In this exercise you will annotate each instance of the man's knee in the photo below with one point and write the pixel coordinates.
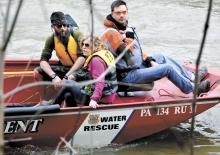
(37, 75)
(167, 68)
(160, 58)
(70, 100)
(71, 86)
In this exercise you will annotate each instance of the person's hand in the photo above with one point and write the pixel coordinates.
(130, 43)
(93, 104)
(122, 32)
(71, 77)
(57, 82)
(64, 78)
(153, 64)
(145, 55)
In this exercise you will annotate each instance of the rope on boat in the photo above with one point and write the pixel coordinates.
(169, 94)
(216, 82)
(196, 76)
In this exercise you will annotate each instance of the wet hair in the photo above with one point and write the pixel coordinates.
(97, 43)
(117, 3)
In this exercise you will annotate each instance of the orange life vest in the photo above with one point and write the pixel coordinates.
(67, 59)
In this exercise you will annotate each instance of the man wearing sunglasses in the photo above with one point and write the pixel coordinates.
(66, 47)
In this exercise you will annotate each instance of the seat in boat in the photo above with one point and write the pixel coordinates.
(124, 88)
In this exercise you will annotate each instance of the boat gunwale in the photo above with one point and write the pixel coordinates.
(116, 107)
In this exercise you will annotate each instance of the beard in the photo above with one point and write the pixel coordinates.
(123, 21)
(63, 38)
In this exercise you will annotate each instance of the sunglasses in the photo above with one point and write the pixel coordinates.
(60, 26)
(86, 44)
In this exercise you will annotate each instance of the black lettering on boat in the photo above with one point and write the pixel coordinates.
(123, 118)
(22, 126)
(98, 127)
(113, 118)
(86, 128)
(93, 128)
(102, 127)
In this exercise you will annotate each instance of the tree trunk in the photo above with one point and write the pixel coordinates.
(1, 102)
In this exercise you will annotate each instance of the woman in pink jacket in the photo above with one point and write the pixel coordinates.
(99, 69)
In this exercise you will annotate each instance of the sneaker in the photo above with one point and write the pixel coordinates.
(204, 87)
(203, 71)
(45, 102)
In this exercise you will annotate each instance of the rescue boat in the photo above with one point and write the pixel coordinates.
(133, 115)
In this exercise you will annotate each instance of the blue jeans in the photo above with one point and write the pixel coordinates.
(72, 94)
(167, 68)
(161, 59)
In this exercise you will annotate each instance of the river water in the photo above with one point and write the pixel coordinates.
(172, 27)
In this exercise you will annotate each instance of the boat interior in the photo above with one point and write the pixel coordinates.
(20, 87)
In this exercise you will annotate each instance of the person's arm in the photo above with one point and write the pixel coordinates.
(116, 40)
(47, 69)
(46, 55)
(77, 65)
(45, 66)
(44, 61)
(96, 67)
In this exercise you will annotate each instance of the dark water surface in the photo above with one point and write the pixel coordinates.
(173, 27)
